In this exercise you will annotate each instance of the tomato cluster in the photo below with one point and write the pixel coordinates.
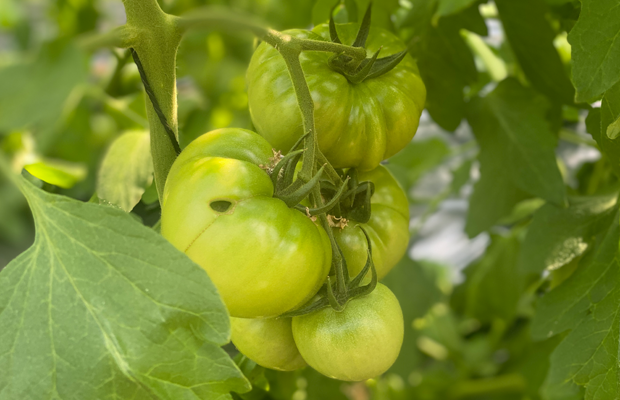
(266, 257)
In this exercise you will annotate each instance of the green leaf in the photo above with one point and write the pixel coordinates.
(416, 158)
(126, 171)
(531, 38)
(429, 282)
(596, 48)
(516, 154)
(445, 61)
(103, 307)
(559, 235)
(449, 7)
(493, 284)
(599, 122)
(588, 304)
(34, 94)
(57, 172)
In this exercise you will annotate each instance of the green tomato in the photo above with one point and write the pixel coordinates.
(218, 208)
(358, 125)
(359, 343)
(388, 227)
(268, 342)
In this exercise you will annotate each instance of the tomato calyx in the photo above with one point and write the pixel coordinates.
(371, 67)
(354, 204)
(336, 297)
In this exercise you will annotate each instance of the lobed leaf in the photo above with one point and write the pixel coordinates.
(101, 307)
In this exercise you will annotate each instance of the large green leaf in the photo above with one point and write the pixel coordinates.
(516, 154)
(588, 304)
(101, 307)
(531, 38)
(492, 288)
(428, 282)
(558, 235)
(445, 61)
(126, 170)
(596, 48)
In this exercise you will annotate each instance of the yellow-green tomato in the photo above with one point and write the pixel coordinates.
(268, 342)
(358, 125)
(218, 208)
(359, 343)
(388, 227)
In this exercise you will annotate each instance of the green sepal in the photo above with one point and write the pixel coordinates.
(386, 64)
(362, 33)
(299, 190)
(327, 206)
(365, 69)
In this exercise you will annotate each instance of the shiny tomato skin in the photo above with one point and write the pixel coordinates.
(388, 227)
(358, 125)
(264, 257)
(268, 342)
(359, 343)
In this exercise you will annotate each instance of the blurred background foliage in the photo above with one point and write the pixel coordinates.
(468, 306)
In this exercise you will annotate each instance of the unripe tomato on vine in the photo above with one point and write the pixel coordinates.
(387, 225)
(360, 120)
(218, 207)
(268, 342)
(359, 343)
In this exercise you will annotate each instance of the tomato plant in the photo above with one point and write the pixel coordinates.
(168, 167)
(358, 343)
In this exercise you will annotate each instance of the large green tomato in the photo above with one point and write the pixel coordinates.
(268, 342)
(263, 257)
(358, 125)
(359, 343)
(388, 227)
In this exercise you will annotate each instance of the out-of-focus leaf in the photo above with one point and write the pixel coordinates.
(493, 284)
(516, 154)
(428, 281)
(531, 39)
(320, 387)
(449, 7)
(596, 50)
(57, 172)
(102, 307)
(495, 66)
(10, 13)
(34, 94)
(416, 158)
(559, 235)
(445, 61)
(320, 11)
(255, 374)
(126, 171)
(587, 304)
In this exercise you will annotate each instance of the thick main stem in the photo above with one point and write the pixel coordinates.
(157, 38)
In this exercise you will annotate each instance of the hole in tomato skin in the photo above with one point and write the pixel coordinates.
(220, 206)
